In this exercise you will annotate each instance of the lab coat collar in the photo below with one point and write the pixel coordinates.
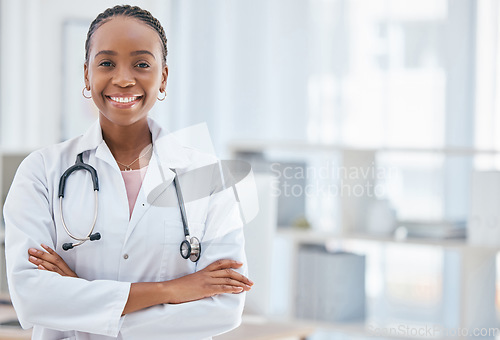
(168, 154)
(91, 139)
(168, 150)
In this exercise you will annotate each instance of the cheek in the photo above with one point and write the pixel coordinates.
(150, 80)
(151, 86)
(96, 81)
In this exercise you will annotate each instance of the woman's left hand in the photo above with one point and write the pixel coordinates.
(50, 261)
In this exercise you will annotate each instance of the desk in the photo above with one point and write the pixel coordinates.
(14, 334)
(252, 328)
(7, 313)
(258, 328)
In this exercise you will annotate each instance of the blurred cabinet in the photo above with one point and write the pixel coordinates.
(9, 162)
(468, 272)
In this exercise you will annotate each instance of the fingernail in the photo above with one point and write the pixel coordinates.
(41, 267)
(251, 282)
(43, 245)
(239, 289)
(32, 258)
(32, 251)
(238, 262)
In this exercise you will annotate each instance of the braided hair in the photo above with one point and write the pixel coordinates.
(127, 11)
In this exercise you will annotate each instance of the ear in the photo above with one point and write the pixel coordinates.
(86, 76)
(164, 76)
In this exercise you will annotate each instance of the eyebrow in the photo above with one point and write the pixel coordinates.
(131, 53)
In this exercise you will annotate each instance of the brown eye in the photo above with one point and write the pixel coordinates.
(143, 65)
(105, 64)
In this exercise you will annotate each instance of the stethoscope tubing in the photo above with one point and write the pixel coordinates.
(87, 238)
(182, 208)
(191, 245)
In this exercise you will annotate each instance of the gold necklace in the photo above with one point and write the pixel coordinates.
(127, 167)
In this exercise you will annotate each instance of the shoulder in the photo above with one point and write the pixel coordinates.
(187, 148)
(199, 158)
(43, 158)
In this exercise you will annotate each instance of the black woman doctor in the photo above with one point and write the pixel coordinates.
(132, 283)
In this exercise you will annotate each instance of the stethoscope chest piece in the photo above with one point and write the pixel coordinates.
(191, 249)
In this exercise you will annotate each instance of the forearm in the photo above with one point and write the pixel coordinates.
(212, 316)
(145, 294)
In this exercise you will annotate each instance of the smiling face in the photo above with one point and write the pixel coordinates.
(125, 71)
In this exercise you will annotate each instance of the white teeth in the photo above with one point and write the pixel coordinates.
(123, 99)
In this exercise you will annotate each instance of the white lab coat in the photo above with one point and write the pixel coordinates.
(142, 249)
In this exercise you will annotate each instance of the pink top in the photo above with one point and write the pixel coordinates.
(133, 181)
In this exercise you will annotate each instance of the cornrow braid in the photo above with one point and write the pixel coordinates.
(127, 11)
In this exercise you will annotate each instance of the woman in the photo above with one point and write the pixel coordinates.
(132, 283)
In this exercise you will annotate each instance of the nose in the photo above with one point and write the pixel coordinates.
(123, 77)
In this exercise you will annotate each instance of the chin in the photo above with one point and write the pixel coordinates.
(122, 120)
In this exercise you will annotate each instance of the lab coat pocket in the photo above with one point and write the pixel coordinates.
(172, 264)
(174, 232)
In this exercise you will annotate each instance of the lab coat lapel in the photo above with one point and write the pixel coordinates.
(104, 153)
(92, 140)
(168, 154)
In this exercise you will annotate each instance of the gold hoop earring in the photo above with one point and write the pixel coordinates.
(165, 96)
(83, 93)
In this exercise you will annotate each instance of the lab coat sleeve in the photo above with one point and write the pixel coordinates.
(207, 317)
(45, 298)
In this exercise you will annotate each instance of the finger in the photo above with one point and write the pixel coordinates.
(223, 264)
(51, 257)
(39, 256)
(226, 281)
(47, 265)
(229, 289)
(233, 275)
(48, 249)
(58, 260)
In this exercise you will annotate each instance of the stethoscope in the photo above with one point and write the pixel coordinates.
(190, 248)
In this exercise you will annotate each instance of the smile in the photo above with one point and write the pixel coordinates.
(124, 99)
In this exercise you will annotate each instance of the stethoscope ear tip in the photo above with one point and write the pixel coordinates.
(67, 246)
(95, 237)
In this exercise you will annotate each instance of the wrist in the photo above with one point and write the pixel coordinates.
(146, 294)
(166, 292)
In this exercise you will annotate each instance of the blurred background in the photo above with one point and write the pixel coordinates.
(372, 126)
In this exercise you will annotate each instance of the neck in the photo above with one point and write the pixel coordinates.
(126, 143)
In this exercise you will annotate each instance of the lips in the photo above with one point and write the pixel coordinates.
(123, 100)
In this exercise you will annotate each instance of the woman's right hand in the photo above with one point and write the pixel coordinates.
(217, 278)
